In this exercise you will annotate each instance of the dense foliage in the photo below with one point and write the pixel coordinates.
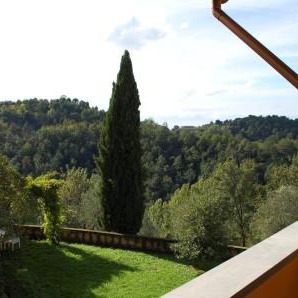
(229, 206)
(10, 194)
(280, 206)
(119, 161)
(279, 210)
(41, 135)
(45, 189)
(91, 207)
(236, 185)
(76, 183)
(251, 163)
(173, 157)
(209, 214)
(256, 128)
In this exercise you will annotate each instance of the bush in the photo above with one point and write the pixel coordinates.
(45, 189)
(90, 204)
(195, 217)
(74, 186)
(198, 222)
(278, 211)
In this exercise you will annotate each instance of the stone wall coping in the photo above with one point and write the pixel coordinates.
(104, 233)
(245, 272)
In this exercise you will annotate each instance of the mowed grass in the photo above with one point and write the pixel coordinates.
(77, 270)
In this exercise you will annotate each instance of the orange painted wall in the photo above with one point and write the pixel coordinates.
(282, 284)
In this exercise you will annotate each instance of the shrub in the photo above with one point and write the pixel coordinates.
(45, 189)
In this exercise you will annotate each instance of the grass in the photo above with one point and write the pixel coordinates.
(77, 270)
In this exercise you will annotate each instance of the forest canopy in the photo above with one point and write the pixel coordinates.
(243, 172)
(39, 136)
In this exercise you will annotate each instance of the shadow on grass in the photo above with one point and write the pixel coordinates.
(63, 271)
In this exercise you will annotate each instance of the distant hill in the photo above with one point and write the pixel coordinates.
(44, 135)
(256, 128)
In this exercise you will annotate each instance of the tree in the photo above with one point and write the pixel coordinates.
(202, 232)
(236, 185)
(10, 190)
(197, 219)
(158, 215)
(195, 216)
(90, 204)
(119, 161)
(75, 185)
(278, 211)
(283, 175)
(45, 189)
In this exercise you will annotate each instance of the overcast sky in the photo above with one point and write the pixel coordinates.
(189, 68)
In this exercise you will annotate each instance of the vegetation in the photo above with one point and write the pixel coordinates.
(75, 184)
(10, 194)
(91, 207)
(279, 210)
(206, 186)
(208, 215)
(45, 190)
(280, 206)
(40, 135)
(246, 163)
(230, 206)
(119, 161)
(76, 270)
(197, 220)
(237, 187)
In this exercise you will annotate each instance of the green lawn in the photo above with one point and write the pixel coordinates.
(77, 270)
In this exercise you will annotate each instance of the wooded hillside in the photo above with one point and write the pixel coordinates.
(41, 135)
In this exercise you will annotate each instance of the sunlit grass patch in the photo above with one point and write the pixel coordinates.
(77, 270)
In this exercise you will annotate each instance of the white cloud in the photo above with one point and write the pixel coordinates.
(132, 36)
(184, 25)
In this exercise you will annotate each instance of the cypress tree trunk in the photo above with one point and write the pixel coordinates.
(119, 160)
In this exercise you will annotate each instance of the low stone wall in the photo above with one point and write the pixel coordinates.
(100, 238)
(142, 243)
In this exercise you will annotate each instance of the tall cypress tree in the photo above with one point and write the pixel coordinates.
(119, 161)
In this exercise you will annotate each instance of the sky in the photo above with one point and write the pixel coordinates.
(189, 68)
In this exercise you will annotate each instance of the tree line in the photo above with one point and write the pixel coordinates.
(70, 133)
(228, 206)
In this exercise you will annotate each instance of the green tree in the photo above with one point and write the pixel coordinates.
(198, 221)
(10, 190)
(90, 205)
(195, 216)
(158, 215)
(119, 161)
(237, 186)
(283, 175)
(279, 210)
(45, 189)
(74, 186)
